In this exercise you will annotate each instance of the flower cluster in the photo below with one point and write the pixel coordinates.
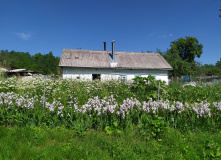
(98, 106)
(105, 106)
(11, 99)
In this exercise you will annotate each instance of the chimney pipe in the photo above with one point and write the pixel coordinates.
(113, 48)
(104, 46)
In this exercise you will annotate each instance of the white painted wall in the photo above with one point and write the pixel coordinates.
(108, 74)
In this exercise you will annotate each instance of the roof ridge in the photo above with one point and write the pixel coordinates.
(109, 51)
(86, 50)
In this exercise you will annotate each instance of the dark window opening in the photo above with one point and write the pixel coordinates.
(122, 78)
(96, 77)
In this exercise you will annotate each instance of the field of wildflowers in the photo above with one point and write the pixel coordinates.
(112, 107)
(100, 104)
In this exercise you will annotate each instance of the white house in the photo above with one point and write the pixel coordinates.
(107, 65)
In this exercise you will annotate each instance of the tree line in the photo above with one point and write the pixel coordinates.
(43, 63)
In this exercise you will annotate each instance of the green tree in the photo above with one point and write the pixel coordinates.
(44, 64)
(181, 56)
(212, 69)
(218, 64)
(188, 48)
(180, 66)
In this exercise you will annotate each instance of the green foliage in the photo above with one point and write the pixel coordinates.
(212, 149)
(181, 56)
(188, 48)
(72, 94)
(61, 143)
(180, 67)
(218, 64)
(114, 129)
(152, 125)
(66, 129)
(203, 91)
(3, 76)
(210, 69)
(45, 64)
(150, 130)
(147, 87)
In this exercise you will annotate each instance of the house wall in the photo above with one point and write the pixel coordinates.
(108, 74)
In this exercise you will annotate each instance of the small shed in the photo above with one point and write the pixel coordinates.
(108, 65)
(21, 72)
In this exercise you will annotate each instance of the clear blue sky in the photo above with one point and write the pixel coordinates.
(136, 25)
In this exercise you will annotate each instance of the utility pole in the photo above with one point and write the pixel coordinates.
(220, 10)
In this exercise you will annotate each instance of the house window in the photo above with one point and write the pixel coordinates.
(122, 78)
(96, 77)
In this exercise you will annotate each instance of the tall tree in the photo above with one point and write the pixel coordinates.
(180, 67)
(188, 48)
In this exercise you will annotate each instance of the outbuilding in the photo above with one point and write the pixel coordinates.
(111, 65)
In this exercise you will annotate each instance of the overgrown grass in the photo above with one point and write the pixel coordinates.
(96, 120)
(60, 143)
(210, 92)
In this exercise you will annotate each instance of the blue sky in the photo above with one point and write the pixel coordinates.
(136, 25)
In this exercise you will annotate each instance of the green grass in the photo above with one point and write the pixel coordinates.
(60, 143)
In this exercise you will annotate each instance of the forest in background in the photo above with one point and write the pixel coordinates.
(45, 64)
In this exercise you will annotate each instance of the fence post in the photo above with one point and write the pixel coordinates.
(159, 92)
(44, 94)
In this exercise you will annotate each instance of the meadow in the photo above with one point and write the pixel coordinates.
(71, 119)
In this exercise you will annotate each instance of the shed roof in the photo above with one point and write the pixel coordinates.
(3, 69)
(100, 59)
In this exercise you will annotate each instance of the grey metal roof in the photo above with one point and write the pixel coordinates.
(100, 59)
